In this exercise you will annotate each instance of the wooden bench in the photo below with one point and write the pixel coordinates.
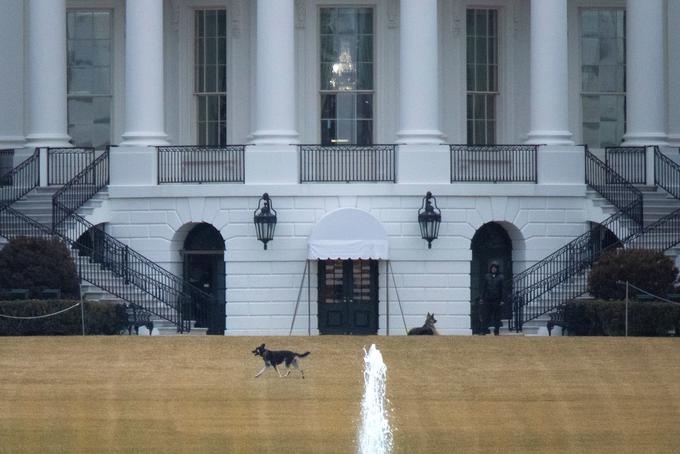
(557, 318)
(136, 317)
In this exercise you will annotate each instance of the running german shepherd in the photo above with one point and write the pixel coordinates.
(273, 358)
(427, 329)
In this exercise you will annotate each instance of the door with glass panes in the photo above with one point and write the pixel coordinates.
(348, 297)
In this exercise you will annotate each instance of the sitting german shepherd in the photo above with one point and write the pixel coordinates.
(427, 329)
(273, 358)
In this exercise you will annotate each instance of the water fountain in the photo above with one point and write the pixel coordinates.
(375, 434)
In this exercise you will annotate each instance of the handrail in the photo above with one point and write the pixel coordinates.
(347, 163)
(494, 163)
(534, 288)
(118, 257)
(567, 265)
(201, 164)
(24, 177)
(64, 163)
(666, 173)
(629, 162)
(612, 186)
(96, 263)
(81, 188)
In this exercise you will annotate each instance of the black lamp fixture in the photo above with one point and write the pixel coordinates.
(265, 219)
(429, 218)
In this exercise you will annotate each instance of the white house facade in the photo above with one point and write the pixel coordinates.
(156, 126)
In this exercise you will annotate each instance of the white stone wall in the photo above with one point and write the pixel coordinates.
(262, 286)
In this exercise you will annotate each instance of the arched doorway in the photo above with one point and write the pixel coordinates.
(203, 254)
(491, 243)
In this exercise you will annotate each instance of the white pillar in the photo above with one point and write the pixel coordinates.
(418, 72)
(11, 74)
(275, 78)
(144, 84)
(645, 80)
(549, 91)
(46, 57)
(673, 74)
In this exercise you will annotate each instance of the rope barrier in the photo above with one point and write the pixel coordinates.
(40, 316)
(661, 298)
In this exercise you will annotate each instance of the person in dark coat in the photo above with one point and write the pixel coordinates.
(492, 299)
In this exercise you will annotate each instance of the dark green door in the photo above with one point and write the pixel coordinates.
(491, 243)
(348, 297)
(204, 269)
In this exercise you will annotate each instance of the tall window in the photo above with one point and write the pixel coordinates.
(89, 77)
(603, 76)
(210, 76)
(347, 76)
(482, 75)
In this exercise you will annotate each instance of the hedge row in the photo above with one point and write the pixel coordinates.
(101, 318)
(608, 318)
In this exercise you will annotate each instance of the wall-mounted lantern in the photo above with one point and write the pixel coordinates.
(429, 218)
(265, 219)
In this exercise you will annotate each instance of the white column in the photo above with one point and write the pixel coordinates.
(673, 74)
(11, 74)
(645, 80)
(549, 91)
(144, 84)
(275, 78)
(46, 58)
(418, 72)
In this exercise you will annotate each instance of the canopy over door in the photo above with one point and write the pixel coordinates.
(348, 233)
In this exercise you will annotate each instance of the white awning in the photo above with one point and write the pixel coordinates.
(348, 233)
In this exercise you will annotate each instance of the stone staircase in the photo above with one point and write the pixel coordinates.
(37, 205)
(657, 203)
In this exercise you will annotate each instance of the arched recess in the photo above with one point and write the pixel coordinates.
(490, 243)
(602, 238)
(203, 266)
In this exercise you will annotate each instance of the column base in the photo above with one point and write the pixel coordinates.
(48, 140)
(12, 142)
(144, 139)
(549, 138)
(637, 139)
(275, 137)
(674, 140)
(420, 137)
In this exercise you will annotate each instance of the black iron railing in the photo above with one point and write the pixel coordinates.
(108, 264)
(613, 187)
(666, 173)
(81, 188)
(23, 179)
(14, 224)
(201, 164)
(629, 162)
(347, 163)
(6, 165)
(65, 163)
(562, 275)
(137, 279)
(494, 163)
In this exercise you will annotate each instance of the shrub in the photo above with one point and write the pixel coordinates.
(649, 270)
(608, 318)
(101, 318)
(37, 264)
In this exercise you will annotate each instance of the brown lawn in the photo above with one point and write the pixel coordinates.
(447, 395)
